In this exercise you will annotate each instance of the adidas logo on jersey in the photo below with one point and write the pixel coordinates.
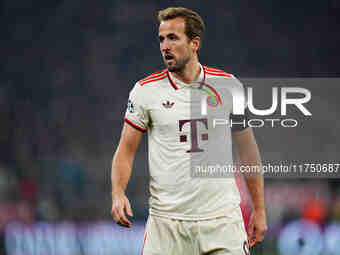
(167, 104)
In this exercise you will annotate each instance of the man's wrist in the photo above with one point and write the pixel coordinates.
(117, 191)
(260, 210)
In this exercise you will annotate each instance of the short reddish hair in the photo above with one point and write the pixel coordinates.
(194, 24)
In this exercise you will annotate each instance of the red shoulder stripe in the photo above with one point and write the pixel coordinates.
(213, 69)
(220, 74)
(154, 79)
(154, 75)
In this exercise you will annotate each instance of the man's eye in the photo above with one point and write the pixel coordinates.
(172, 37)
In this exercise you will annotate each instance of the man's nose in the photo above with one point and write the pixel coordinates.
(165, 47)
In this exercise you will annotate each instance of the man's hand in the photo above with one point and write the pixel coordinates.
(257, 227)
(120, 205)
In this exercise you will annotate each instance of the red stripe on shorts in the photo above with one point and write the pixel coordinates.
(144, 243)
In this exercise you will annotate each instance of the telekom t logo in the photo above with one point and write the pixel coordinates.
(193, 133)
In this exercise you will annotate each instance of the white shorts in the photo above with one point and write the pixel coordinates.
(219, 236)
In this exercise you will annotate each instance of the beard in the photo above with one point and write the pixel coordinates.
(178, 65)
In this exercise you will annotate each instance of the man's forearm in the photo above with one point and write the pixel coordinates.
(250, 159)
(255, 186)
(123, 159)
(120, 173)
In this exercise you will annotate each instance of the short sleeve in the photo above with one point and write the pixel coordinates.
(239, 121)
(136, 113)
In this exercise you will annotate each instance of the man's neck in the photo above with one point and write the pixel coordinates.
(190, 73)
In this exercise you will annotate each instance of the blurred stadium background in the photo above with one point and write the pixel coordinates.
(66, 70)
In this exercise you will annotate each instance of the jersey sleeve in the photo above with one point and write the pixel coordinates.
(136, 113)
(239, 121)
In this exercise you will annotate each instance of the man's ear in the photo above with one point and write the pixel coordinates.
(196, 42)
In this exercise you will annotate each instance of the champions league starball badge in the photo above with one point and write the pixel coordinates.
(130, 106)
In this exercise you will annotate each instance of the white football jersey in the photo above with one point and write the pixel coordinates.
(183, 138)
